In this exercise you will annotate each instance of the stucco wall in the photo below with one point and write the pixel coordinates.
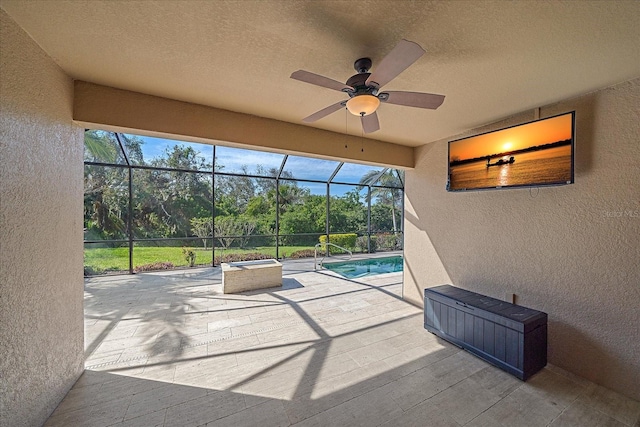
(571, 251)
(108, 108)
(41, 187)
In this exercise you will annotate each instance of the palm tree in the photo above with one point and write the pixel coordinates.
(99, 147)
(387, 178)
(291, 194)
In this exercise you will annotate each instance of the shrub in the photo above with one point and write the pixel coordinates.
(362, 246)
(154, 266)
(347, 241)
(304, 253)
(388, 241)
(189, 256)
(92, 271)
(240, 257)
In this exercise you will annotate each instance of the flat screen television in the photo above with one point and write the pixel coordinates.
(533, 154)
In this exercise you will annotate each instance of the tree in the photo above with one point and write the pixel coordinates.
(166, 201)
(203, 228)
(229, 229)
(385, 195)
(308, 216)
(182, 157)
(106, 189)
(347, 214)
(99, 147)
(238, 189)
(291, 194)
(225, 231)
(133, 147)
(261, 209)
(245, 227)
(177, 200)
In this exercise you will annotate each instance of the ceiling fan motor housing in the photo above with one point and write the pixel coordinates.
(358, 81)
(359, 85)
(362, 65)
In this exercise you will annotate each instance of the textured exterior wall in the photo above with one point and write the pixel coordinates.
(571, 251)
(41, 187)
(108, 108)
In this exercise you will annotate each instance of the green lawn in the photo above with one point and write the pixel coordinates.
(98, 260)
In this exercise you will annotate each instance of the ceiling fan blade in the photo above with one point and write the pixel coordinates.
(370, 123)
(318, 80)
(399, 59)
(324, 112)
(414, 99)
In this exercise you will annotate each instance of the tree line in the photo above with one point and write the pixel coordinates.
(171, 203)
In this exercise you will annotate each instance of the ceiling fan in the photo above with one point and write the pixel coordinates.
(364, 88)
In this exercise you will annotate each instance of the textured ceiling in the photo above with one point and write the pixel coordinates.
(490, 59)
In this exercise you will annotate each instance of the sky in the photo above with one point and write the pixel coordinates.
(155, 147)
(515, 138)
(234, 158)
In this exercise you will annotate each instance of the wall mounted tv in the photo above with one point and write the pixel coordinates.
(533, 154)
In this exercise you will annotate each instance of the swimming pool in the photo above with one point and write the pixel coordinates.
(365, 267)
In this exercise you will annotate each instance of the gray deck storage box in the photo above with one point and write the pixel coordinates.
(511, 337)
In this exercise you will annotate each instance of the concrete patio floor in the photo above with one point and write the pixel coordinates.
(169, 349)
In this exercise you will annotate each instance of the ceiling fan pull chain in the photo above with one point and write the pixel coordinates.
(362, 136)
(346, 134)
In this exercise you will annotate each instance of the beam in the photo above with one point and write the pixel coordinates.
(103, 107)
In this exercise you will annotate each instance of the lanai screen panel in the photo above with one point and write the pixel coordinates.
(241, 161)
(307, 168)
(158, 197)
(352, 173)
(160, 152)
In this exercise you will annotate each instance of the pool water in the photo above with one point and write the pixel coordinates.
(366, 267)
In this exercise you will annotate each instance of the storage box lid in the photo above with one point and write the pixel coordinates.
(513, 312)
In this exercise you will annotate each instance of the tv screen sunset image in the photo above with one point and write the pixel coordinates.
(532, 154)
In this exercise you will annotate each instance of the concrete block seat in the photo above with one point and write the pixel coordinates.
(250, 275)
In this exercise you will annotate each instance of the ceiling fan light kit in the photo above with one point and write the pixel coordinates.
(363, 88)
(363, 105)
